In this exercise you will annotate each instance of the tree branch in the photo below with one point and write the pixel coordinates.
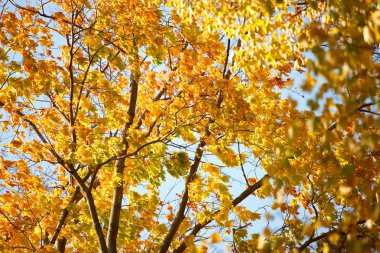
(180, 216)
(322, 236)
(359, 109)
(226, 60)
(314, 239)
(92, 209)
(95, 219)
(114, 220)
(75, 197)
(251, 189)
(19, 229)
(62, 244)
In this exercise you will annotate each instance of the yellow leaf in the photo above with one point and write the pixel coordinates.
(215, 238)
(16, 143)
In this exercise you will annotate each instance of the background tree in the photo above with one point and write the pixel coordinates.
(106, 104)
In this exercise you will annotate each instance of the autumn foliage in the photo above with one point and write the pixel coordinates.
(189, 126)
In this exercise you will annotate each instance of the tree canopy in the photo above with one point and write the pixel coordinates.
(174, 126)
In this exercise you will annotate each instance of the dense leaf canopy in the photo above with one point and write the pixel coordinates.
(189, 126)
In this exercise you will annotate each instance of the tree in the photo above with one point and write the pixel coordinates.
(105, 104)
